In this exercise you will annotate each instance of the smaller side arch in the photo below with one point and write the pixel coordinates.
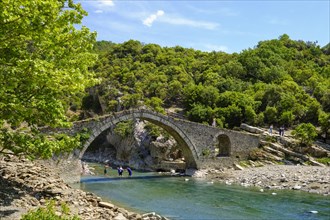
(223, 146)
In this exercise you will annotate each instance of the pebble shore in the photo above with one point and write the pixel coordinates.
(312, 179)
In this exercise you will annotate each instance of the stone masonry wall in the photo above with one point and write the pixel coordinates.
(194, 138)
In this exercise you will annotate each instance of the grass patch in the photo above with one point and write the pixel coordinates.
(244, 163)
(324, 160)
(49, 213)
(271, 139)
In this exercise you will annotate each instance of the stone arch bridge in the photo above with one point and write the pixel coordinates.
(202, 145)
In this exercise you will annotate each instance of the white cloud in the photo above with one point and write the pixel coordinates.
(101, 6)
(105, 3)
(149, 20)
(191, 23)
(98, 11)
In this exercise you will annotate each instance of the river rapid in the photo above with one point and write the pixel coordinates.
(181, 198)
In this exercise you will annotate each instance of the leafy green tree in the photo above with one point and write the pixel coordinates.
(324, 120)
(155, 131)
(287, 118)
(232, 68)
(128, 48)
(325, 100)
(287, 102)
(232, 84)
(313, 108)
(278, 81)
(156, 104)
(271, 115)
(124, 128)
(260, 119)
(254, 68)
(130, 100)
(209, 96)
(271, 95)
(44, 64)
(192, 94)
(305, 132)
(200, 113)
(233, 115)
(103, 46)
(250, 115)
(175, 90)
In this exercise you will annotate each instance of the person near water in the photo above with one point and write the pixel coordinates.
(120, 171)
(129, 171)
(105, 170)
(83, 166)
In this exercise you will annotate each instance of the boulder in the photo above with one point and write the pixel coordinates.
(120, 216)
(238, 167)
(251, 129)
(107, 205)
(190, 172)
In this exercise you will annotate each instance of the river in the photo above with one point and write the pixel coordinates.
(181, 198)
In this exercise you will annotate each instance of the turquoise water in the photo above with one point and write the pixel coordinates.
(176, 198)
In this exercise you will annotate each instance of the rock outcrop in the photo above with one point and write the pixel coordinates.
(251, 129)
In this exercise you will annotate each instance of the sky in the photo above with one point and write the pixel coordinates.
(208, 25)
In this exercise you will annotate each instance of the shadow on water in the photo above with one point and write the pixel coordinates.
(105, 179)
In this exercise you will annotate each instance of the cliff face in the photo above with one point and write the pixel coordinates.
(138, 150)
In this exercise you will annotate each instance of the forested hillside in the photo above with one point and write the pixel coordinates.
(280, 82)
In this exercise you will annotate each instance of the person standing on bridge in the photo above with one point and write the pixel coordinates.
(214, 123)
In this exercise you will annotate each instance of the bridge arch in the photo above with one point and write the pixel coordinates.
(223, 145)
(167, 123)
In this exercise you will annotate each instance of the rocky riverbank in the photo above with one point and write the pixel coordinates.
(27, 185)
(313, 179)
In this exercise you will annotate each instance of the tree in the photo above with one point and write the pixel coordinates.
(287, 118)
(305, 132)
(324, 120)
(233, 115)
(44, 64)
(200, 113)
(156, 104)
(270, 115)
(280, 81)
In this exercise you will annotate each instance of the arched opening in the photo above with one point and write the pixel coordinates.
(156, 151)
(224, 146)
(100, 150)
